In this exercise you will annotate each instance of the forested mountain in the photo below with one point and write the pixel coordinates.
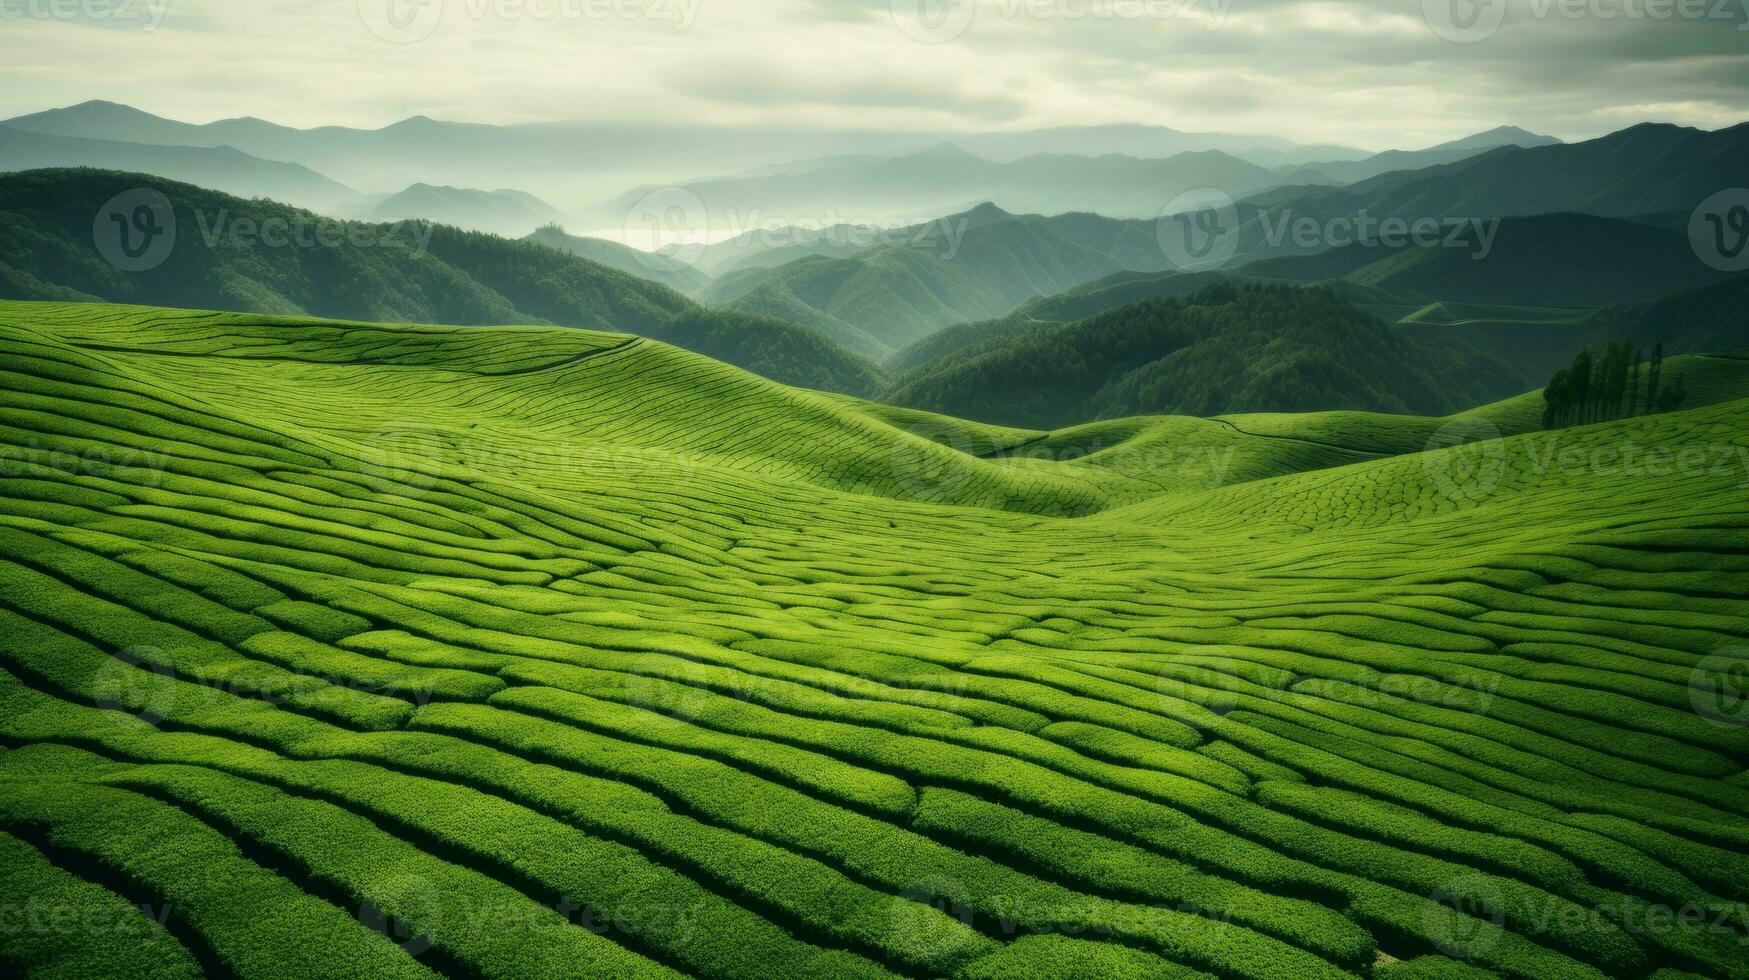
(1079, 303)
(1226, 348)
(670, 272)
(972, 266)
(1711, 319)
(510, 213)
(783, 351)
(872, 304)
(221, 259)
(1714, 318)
(257, 256)
(1568, 260)
(767, 247)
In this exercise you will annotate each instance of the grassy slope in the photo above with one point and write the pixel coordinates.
(460, 621)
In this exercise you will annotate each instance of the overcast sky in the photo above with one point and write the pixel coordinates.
(1369, 73)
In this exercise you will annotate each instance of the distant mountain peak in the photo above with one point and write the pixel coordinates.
(1500, 136)
(947, 150)
(411, 122)
(986, 212)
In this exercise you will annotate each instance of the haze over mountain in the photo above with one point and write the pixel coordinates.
(510, 213)
(226, 254)
(669, 271)
(222, 168)
(1347, 171)
(577, 163)
(947, 178)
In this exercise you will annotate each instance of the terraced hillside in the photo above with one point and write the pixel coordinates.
(334, 649)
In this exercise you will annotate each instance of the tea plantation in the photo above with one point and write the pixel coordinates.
(350, 650)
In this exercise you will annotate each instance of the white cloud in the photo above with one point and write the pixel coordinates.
(1365, 72)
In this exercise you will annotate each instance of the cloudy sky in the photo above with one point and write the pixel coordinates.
(1368, 73)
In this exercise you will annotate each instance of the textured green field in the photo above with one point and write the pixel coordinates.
(342, 650)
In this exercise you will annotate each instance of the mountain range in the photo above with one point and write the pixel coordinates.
(406, 272)
(949, 177)
(222, 168)
(573, 162)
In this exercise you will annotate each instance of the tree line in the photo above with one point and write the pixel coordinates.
(1615, 382)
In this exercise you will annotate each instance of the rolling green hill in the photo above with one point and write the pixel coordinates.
(406, 271)
(1226, 348)
(542, 652)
